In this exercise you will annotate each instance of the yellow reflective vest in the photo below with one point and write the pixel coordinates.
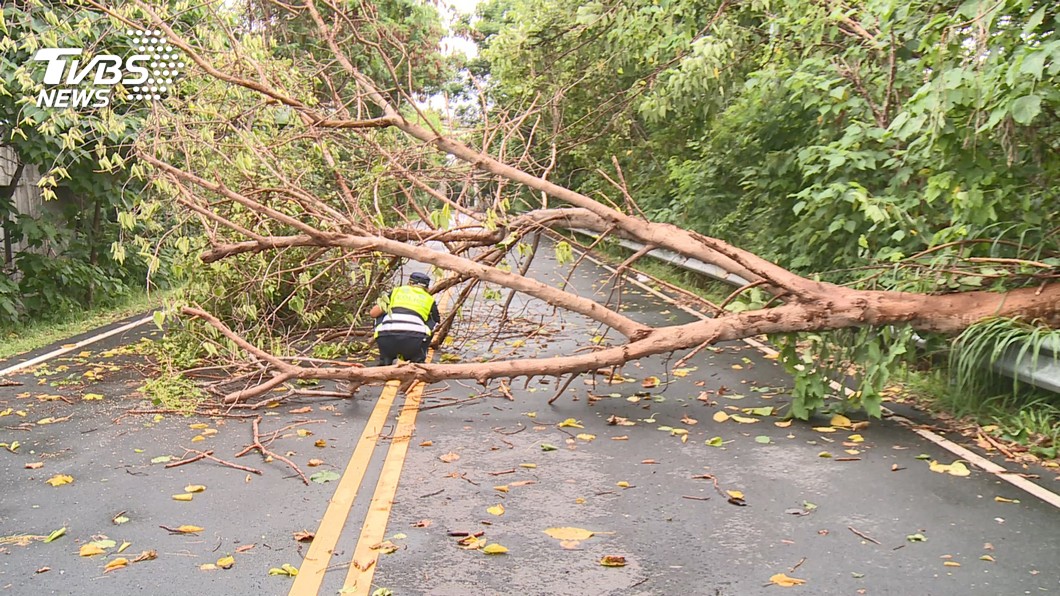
(413, 298)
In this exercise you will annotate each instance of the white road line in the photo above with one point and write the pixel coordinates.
(72, 347)
(979, 461)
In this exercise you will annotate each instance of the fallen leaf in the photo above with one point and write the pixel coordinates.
(548, 447)
(426, 443)
(198, 426)
(497, 509)
(613, 561)
(743, 419)
(245, 548)
(782, 423)
(324, 476)
(951, 563)
(423, 523)
(986, 558)
(162, 459)
(840, 420)
(387, 547)
(760, 411)
(1004, 500)
(304, 432)
(124, 545)
(824, 429)
(198, 438)
(147, 555)
(957, 468)
(115, 564)
(207, 567)
(569, 533)
(304, 536)
(856, 438)
(320, 443)
(916, 538)
(824, 454)
(34, 465)
(570, 422)
(622, 484)
(119, 519)
(784, 581)
(304, 410)
(528, 466)
(56, 534)
(585, 436)
(226, 562)
(60, 479)
(314, 462)
(714, 442)
(91, 396)
(763, 439)
(186, 529)
(502, 488)
(689, 421)
(194, 488)
(90, 550)
(735, 494)
(43, 570)
(650, 382)
(720, 416)
(183, 497)
(494, 549)
(449, 457)
(286, 569)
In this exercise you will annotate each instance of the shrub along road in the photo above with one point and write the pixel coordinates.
(651, 480)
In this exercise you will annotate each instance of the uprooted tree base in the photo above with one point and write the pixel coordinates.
(240, 214)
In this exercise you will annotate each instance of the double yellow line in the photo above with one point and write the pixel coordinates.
(362, 567)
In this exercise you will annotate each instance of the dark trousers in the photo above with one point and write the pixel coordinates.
(411, 347)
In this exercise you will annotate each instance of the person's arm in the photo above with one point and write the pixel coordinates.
(435, 317)
(376, 312)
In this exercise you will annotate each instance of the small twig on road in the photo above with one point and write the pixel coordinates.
(570, 378)
(512, 471)
(797, 565)
(265, 453)
(209, 455)
(695, 498)
(869, 538)
(497, 429)
(437, 492)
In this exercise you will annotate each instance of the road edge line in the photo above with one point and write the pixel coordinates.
(84, 342)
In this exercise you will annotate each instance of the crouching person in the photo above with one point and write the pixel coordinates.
(404, 325)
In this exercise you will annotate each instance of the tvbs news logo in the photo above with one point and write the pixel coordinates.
(73, 82)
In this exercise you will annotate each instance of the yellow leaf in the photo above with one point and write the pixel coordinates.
(91, 396)
(570, 422)
(226, 562)
(497, 509)
(851, 451)
(320, 443)
(89, 550)
(302, 432)
(207, 567)
(735, 494)
(188, 529)
(951, 564)
(449, 457)
(194, 488)
(285, 569)
(569, 533)
(183, 497)
(613, 561)
(856, 439)
(784, 581)
(315, 462)
(957, 468)
(824, 454)
(622, 484)
(528, 466)
(494, 549)
(60, 479)
(737, 367)
(720, 416)
(1004, 500)
(115, 564)
(585, 436)
(840, 420)
(824, 429)
(502, 488)
(124, 545)
(198, 426)
(198, 438)
(743, 419)
(986, 558)
(782, 423)
(209, 432)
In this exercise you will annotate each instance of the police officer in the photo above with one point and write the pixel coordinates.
(405, 321)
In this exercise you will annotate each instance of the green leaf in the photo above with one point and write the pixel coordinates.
(548, 447)
(162, 459)
(762, 439)
(325, 476)
(1026, 108)
(56, 534)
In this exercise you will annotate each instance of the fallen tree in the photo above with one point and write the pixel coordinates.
(256, 201)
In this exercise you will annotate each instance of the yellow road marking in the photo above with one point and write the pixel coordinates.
(311, 573)
(359, 578)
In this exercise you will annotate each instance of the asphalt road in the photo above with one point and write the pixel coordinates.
(636, 463)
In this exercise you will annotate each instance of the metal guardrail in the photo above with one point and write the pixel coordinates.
(1042, 372)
